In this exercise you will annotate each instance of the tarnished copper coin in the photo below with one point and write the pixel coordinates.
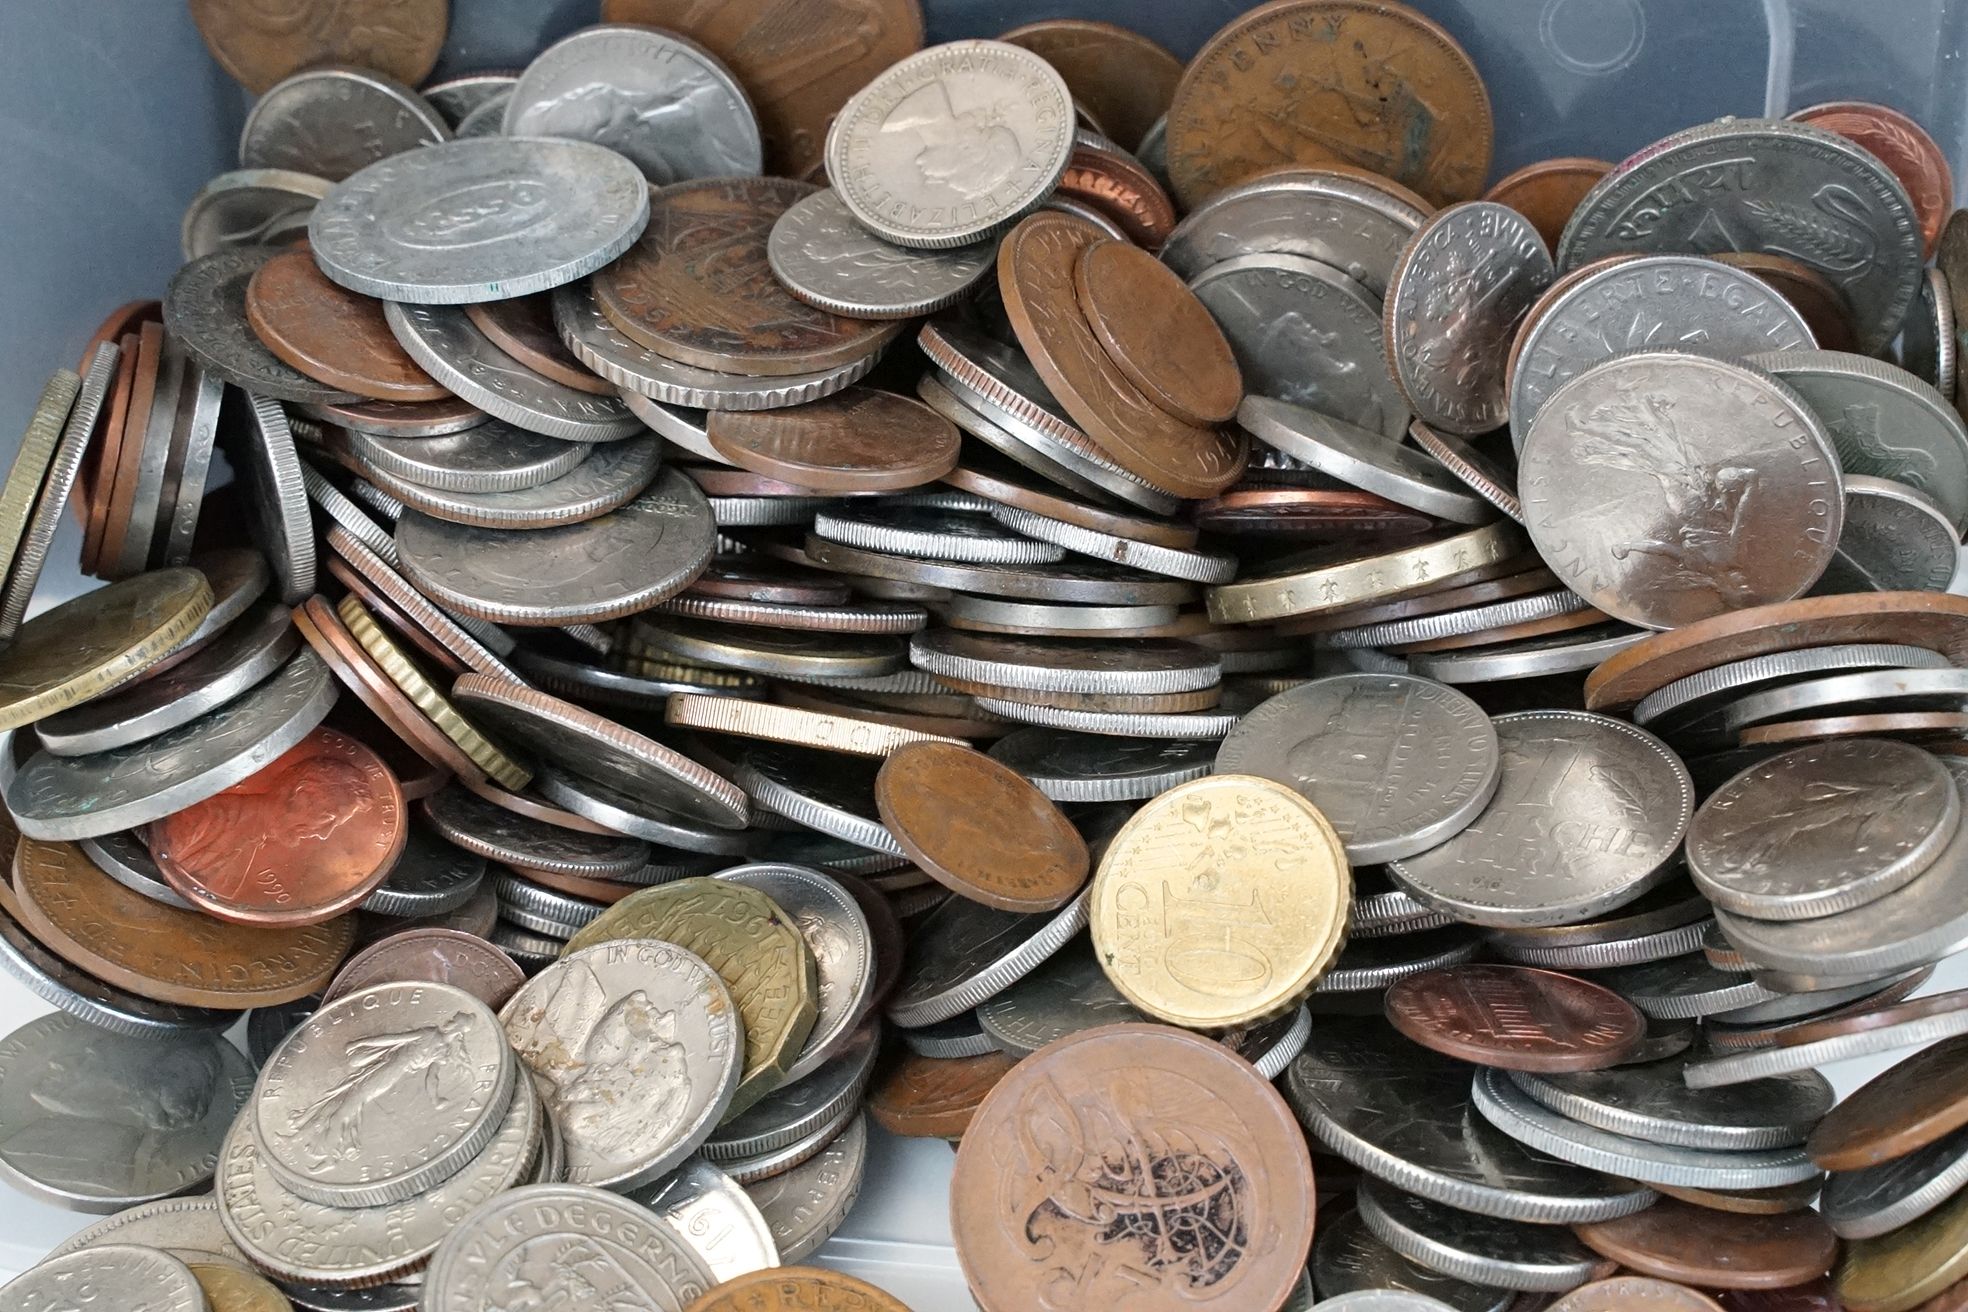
(1313, 82)
(1903, 146)
(1158, 333)
(1117, 187)
(167, 953)
(1548, 191)
(697, 287)
(1312, 513)
(980, 828)
(1905, 1107)
(396, 419)
(754, 578)
(1716, 1250)
(1813, 295)
(259, 44)
(1818, 1296)
(1884, 724)
(795, 1289)
(331, 334)
(1125, 80)
(304, 839)
(442, 956)
(523, 327)
(1635, 1294)
(1516, 1018)
(1865, 1015)
(1140, 1130)
(416, 777)
(123, 448)
(857, 440)
(1750, 1202)
(91, 499)
(926, 1098)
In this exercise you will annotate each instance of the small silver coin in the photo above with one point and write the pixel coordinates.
(1339, 221)
(1689, 699)
(112, 1275)
(1348, 1259)
(497, 834)
(1761, 1063)
(822, 791)
(1683, 987)
(1037, 619)
(1875, 1200)
(432, 876)
(104, 1006)
(205, 313)
(750, 1170)
(347, 515)
(541, 909)
(441, 956)
(1148, 665)
(456, 97)
(1373, 964)
(268, 1027)
(1928, 346)
(663, 102)
(1530, 658)
(193, 435)
(250, 207)
(1397, 764)
(1176, 562)
(794, 1113)
(1569, 779)
(1067, 994)
(965, 953)
(1482, 1249)
(1072, 767)
(634, 816)
(479, 220)
(253, 433)
(331, 122)
(1894, 539)
(398, 418)
(1654, 1103)
(616, 473)
(960, 1036)
(716, 1216)
(178, 1226)
(836, 929)
(803, 1206)
(1196, 724)
(1390, 1300)
(125, 859)
(1305, 333)
(934, 534)
(1095, 582)
(486, 120)
(1455, 623)
(1633, 951)
(637, 1049)
(488, 457)
(821, 254)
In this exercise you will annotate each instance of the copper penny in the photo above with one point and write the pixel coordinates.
(1035, 275)
(980, 828)
(718, 481)
(1139, 1130)
(795, 1289)
(451, 414)
(259, 44)
(750, 578)
(1851, 1018)
(1634, 1294)
(1548, 191)
(1813, 295)
(331, 334)
(1750, 1202)
(125, 319)
(1870, 1016)
(534, 807)
(99, 461)
(1125, 80)
(1904, 1107)
(1516, 1018)
(123, 454)
(523, 328)
(1116, 186)
(857, 440)
(385, 610)
(440, 956)
(929, 1098)
(1818, 1296)
(1311, 513)
(697, 287)
(167, 953)
(1313, 82)
(415, 777)
(1952, 724)
(1158, 333)
(1716, 1250)
(798, 60)
(1903, 146)
(1934, 620)
(1538, 628)
(1008, 484)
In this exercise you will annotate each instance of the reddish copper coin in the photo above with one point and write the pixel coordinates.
(1139, 1130)
(1635, 1294)
(719, 481)
(259, 44)
(1749, 1202)
(1903, 146)
(125, 319)
(523, 327)
(416, 777)
(926, 1098)
(91, 501)
(331, 334)
(1812, 294)
(1006, 483)
(1904, 1107)
(1914, 724)
(1548, 191)
(123, 455)
(1158, 333)
(1116, 185)
(1818, 1296)
(980, 828)
(1125, 80)
(857, 440)
(1313, 513)
(605, 891)
(1716, 1250)
(402, 419)
(795, 1289)
(1870, 1016)
(1516, 1018)
(440, 956)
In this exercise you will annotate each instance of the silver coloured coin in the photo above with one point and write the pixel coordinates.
(1397, 764)
(178, 1226)
(453, 350)
(205, 313)
(1616, 952)
(623, 561)
(1097, 582)
(960, 1036)
(38, 537)
(1370, 965)
(1403, 1114)
(445, 956)
(1348, 1259)
(836, 929)
(1817, 198)
(1874, 1200)
(1067, 994)
(1894, 539)
(486, 120)
(715, 1216)
(764, 512)
(1339, 221)
(1465, 281)
(1176, 562)
(500, 835)
(1761, 1063)
(458, 96)
(1928, 347)
(750, 1170)
(794, 1113)
(803, 1206)
(331, 122)
(541, 909)
(488, 457)
(821, 254)
(267, 1027)
(682, 427)
(479, 220)
(534, 952)
(614, 475)
(965, 953)
(348, 516)
(1823, 828)
(1117, 724)
(823, 791)
(1484, 476)
(1066, 665)
(934, 534)
(472, 641)
(1641, 475)
(1455, 623)
(1380, 909)
(1481, 1249)
(1070, 767)
(1523, 1118)
(110, 1275)
(1386, 1300)
(245, 653)
(97, 1122)
(377, 500)
(70, 797)
(104, 1006)
(1305, 333)
(254, 434)
(1689, 699)
(250, 207)
(991, 615)
(633, 816)
(1684, 987)
(1564, 653)
(661, 101)
(951, 144)
(591, 683)
(1793, 1006)
(1654, 1103)
(189, 460)
(396, 1296)
(153, 440)
(869, 617)
(1270, 1046)
(637, 1050)
(529, 1236)
(1534, 855)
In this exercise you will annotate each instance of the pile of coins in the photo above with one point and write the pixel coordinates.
(1342, 735)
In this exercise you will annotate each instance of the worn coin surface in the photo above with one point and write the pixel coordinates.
(1362, 457)
(87, 646)
(837, 930)
(1339, 219)
(1874, 1200)
(1348, 1258)
(1515, 1018)
(1489, 1250)
(302, 123)
(1157, 332)
(796, 1289)
(113, 1275)
(822, 255)
(1894, 539)
(1905, 1107)
(439, 956)
(715, 1216)
(1548, 191)
(330, 333)
(1903, 146)
(1652, 1101)
(1734, 1251)
(259, 48)
(804, 1205)
(928, 1097)
(858, 440)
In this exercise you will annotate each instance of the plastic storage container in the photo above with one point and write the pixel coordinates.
(112, 115)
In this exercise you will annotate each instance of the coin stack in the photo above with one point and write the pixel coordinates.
(1334, 730)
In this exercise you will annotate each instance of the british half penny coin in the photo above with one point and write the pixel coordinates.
(1516, 1017)
(1631, 1293)
(1673, 1240)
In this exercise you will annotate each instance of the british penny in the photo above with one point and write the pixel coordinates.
(921, 1097)
(1036, 262)
(1635, 1294)
(698, 288)
(88, 645)
(259, 45)
(1868, 1015)
(302, 840)
(1673, 1240)
(333, 335)
(1317, 82)
(1122, 78)
(1171, 1133)
(165, 953)
(857, 440)
(1548, 191)
(109, 512)
(523, 327)
(1903, 146)
(1115, 186)
(795, 1289)
(1516, 1018)
(1156, 332)
(99, 461)
(980, 828)
(1905, 1107)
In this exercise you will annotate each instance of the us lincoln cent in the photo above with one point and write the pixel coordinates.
(980, 828)
(930, 1098)
(1158, 333)
(857, 440)
(331, 334)
(1673, 1240)
(1143, 1131)
(1516, 1018)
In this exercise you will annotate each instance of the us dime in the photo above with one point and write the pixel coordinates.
(1348, 1259)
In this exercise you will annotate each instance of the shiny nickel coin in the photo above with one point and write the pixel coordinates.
(1480, 1249)
(1348, 1259)
(615, 475)
(205, 313)
(1688, 700)
(1654, 1103)
(715, 1216)
(804, 1205)
(488, 457)
(1073, 767)
(1341, 221)
(1874, 1200)
(331, 122)
(965, 953)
